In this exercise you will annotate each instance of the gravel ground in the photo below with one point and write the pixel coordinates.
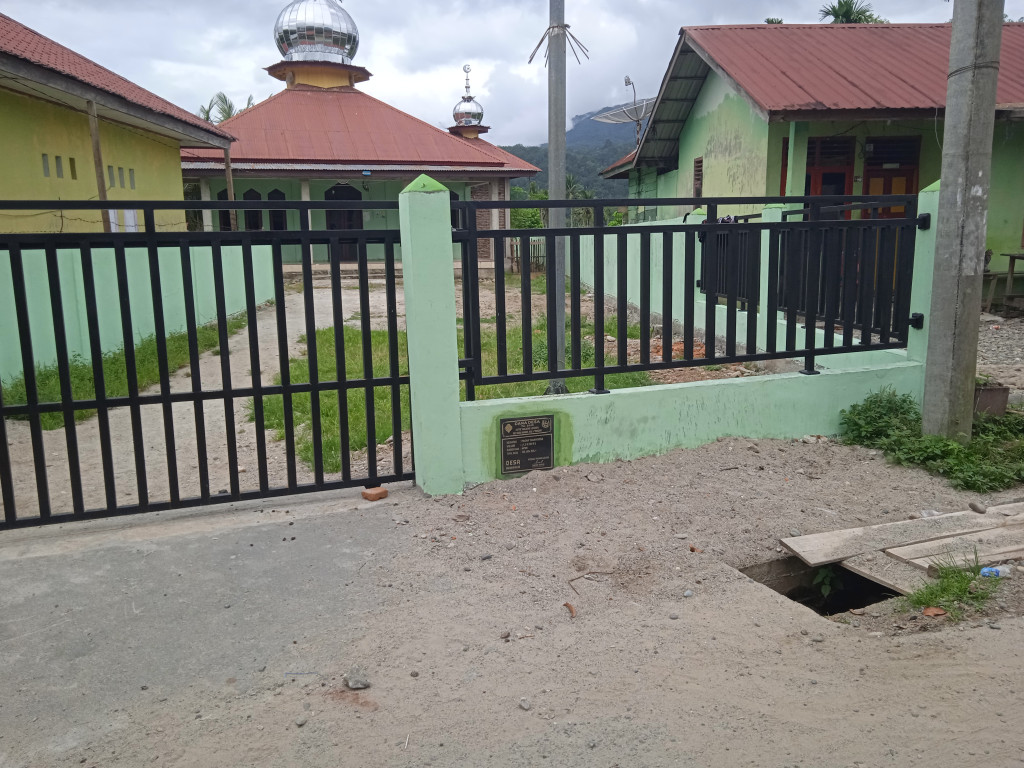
(1001, 350)
(211, 641)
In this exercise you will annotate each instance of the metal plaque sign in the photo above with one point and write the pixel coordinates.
(527, 443)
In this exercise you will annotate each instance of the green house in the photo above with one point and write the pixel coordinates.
(820, 109)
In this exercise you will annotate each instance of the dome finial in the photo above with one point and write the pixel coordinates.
(316, 30)
(468, 111)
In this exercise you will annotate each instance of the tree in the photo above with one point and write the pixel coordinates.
(850, 12)
(773, 20)
(221, 108)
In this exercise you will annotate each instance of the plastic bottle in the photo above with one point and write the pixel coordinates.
(998, 571)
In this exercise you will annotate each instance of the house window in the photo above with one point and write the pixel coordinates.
(72, 169)
(110, 176)
(58, 164)
(698, 177)
(253, 219)
(46, 165)
(120, 176)
(131, 178)
(224, 217)
(278, 218)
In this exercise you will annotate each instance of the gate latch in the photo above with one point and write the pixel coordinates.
(917, 320)
(924, 221)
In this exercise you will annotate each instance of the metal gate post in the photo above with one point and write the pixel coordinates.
(429, 281)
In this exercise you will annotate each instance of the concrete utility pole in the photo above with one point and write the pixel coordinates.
(963, 209)
(556, 176)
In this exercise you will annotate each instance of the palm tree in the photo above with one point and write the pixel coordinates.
(850, 12)
(773, 20)
(221, 108)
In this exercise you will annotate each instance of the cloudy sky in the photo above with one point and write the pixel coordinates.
(186, 50)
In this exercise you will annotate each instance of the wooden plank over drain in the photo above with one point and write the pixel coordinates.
(833, 546)
(897, 575)
(996, 542)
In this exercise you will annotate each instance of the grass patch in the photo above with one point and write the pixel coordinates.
(115, 371)
(382, 407)
(957, 587)
(993, 460)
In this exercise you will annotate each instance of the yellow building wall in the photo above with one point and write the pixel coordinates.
(31, 128)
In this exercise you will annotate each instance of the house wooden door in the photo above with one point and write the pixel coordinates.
(344, 219)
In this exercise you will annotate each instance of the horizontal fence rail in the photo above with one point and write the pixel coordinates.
(174, 368)
(831, 277)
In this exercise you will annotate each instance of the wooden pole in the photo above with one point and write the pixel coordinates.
(97, 159)
(231, 187)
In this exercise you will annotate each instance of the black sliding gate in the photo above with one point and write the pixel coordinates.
(153, 367)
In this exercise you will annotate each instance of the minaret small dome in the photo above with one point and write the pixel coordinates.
(316, 30)
(468, 111)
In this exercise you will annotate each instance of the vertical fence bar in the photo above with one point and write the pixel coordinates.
(753, 292)
(552, 300)
(227, 388)
(368, 392)
(575, 290)
(284, 364)
(831, 254)
(500, 317)
(645, 298)
(866, 244)
(793, 257)
(526, 300)
(813, 275)
(6, 476)
(341, 364)
(198, 404)
(886, 276)
(848, 300)
(29, 373)
(160, 333)
(732, 289)
(667, 314)
(709, 284)
(131, 371)
(64, 375)
(393, 367)
(98, 375)
(599, 388)
(254, 363)
(621, 296)
(473, 322)
(907, 237)
(689, 294)
(772, 326)
(312, 359)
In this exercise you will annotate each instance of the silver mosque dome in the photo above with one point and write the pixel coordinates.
(468, 111)
(316, 30)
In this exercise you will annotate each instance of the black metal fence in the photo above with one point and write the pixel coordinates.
(836, 282)
(84, 433)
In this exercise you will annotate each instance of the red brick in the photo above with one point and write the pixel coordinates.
(375, 494)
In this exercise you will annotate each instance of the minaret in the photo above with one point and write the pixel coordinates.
(468, 114)
(318, 40)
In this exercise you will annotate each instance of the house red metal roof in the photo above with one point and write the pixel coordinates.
(340, 125)
(801, 67)
(19, 41)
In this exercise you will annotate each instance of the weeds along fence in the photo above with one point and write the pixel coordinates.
(807, 277)
(153, 349)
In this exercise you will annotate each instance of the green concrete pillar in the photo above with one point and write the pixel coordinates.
(796, 164)
(924, 274)
(424, 213)
(771, 213)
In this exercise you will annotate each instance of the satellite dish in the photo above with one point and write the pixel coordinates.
(630, 113)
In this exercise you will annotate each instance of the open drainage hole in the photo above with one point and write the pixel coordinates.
(826, 589)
